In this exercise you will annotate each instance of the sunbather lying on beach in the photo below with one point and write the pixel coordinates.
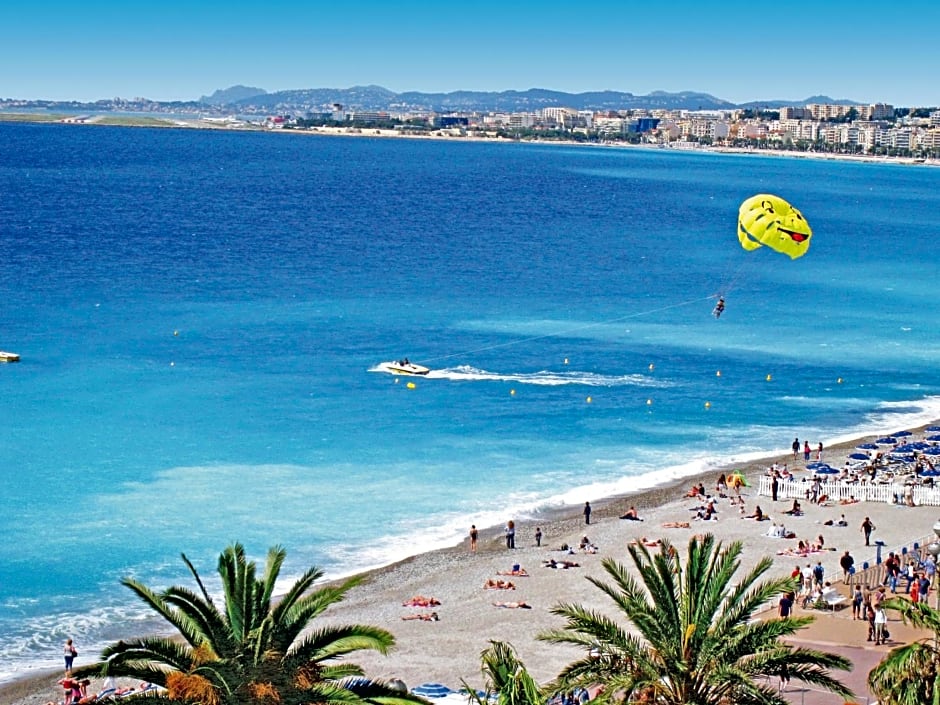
(421, 601)
(676, 525)
(515, 572)
(491, 584)
(513, 605)
(552, 563)
(651, 543)
(423, 616)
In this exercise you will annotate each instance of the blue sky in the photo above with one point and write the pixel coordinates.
(180, 51)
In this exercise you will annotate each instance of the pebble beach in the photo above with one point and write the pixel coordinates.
(446, 650)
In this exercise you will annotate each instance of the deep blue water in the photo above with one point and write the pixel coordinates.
(198, 313)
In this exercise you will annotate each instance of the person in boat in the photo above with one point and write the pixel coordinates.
(719, 308)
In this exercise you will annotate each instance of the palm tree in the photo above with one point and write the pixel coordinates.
(910, 674)
(696, 642)
(254, 649)
(508, 682)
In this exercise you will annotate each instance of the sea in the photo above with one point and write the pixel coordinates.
(203, 318)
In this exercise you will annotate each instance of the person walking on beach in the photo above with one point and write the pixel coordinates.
(796, 447)
(70, 653)
(806, 451)
(474, 534)
(538, 536)
(587, 512)
(867, 528)
(774, 487)
(511, 534)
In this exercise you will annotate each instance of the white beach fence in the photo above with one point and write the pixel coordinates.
(838, 491)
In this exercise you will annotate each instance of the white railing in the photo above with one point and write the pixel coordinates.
(836, 491)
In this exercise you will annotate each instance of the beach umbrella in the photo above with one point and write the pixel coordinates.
(826, 471)
(933, 429)
(738, 476)
(867, 446)
(935, 437)
(859, 456)
(934, 450)
(815, 465)
(930, 473)
(886, 441)
(900, 434)
(431, 690)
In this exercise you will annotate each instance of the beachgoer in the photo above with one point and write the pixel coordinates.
(423, 616)
(857, 601)
(676, 525)
(846, 562)
(631, 515)
(517, 571)
(474, 534)
(806, 451)
(867, 528)
(587, 512)
(758, 514)
(774, 487)
(722, 485)
(70, 653)
(881, 620)
(796, 447)
(785, 606)
(510, 534)
(513, 605)
(538, 536)
(421, 601)
(819, 451)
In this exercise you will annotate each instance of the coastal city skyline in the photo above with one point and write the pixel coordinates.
(180, 52)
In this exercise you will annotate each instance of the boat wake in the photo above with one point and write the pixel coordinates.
(466, 373)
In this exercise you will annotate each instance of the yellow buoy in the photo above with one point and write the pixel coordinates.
(512, 392)
(411, 385)
(588, 400)
(769, 378)
(176, 332)
(708, 405)
(839, 381)
(649, 402)
(718, 373)
(651, 367)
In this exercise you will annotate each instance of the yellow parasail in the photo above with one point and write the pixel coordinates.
(770, 221)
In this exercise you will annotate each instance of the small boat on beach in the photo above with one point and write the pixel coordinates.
(406, 367)
(9, 357)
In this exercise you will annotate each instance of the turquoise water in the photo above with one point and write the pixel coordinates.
(201, 315)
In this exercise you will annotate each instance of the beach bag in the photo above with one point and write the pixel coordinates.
(885, 633)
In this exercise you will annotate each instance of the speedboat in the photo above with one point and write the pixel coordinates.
(14, 357)
(405, 367)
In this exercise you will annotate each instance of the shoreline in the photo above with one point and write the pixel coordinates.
(447, 651)
(186, 123)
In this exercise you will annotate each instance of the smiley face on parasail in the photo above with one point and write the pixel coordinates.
(767, 220)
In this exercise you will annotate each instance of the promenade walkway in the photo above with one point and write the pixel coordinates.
(838, 633)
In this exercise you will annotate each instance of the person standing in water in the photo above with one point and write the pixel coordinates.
(474, 534)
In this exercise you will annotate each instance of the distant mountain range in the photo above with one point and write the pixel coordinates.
(379, 98)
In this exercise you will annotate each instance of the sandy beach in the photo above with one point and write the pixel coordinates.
(447, 650)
